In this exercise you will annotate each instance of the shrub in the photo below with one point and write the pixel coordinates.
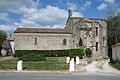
(47, 53)
(80, 52)
(32, 57)
(115, 64)
(76, 52)
(88, 52)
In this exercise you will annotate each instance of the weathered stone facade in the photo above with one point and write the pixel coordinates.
(79, 32)
(44, 41)
(89, 33)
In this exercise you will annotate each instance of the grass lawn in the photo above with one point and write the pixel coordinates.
(51, 63)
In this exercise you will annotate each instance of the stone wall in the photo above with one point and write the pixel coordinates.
(89, 37)
(44, 41)
(115, 52)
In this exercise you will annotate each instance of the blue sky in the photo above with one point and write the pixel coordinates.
(50, 13)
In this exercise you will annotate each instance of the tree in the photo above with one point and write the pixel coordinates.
(3, 36)
(113, 22)
(88, 52)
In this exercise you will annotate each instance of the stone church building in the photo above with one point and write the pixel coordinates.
(78, 32)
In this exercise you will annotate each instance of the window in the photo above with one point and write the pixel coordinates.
(80, 42)
(103, 40)
(96, 46)
(64, 42)
(35, 41)
(96, 31)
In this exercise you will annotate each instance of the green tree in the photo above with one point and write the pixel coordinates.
(113, 22)
(3, 36)
(88, 52)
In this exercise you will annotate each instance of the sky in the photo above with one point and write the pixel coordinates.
(50, 13)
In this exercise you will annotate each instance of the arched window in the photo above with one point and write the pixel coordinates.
(64, 42)
(35, 41)
(80, 42)
(96, 31)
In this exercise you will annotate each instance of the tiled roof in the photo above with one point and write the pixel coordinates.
(41, 30)
(87, 18)
(115, 45)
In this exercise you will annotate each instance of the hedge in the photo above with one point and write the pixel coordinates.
(32, 57)
(46, 53)
(76, 52)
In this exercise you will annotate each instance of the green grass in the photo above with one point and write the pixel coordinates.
(30, 66)
(55, 59)
(38, 65)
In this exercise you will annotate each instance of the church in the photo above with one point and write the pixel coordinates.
(78, 32)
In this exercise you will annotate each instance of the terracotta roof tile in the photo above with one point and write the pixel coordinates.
(41, 30)
(87, 18)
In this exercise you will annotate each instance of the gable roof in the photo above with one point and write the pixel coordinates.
(42, 30)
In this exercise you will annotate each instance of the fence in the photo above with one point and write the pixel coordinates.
(36, 65)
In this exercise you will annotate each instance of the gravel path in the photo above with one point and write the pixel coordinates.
(101, 66)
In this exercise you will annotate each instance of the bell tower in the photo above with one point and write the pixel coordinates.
(69, 11)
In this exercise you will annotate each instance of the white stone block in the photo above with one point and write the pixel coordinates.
(3, 52)
(19, 66)
(68, 60)
(72, 66)
(77, 60)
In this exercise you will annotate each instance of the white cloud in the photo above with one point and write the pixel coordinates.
(15, 6)
(88, 3)
(102, 6)
(3, 16)
(50, 15)
(110, 1)
(27, 23)
(72, 6)
(8, 28)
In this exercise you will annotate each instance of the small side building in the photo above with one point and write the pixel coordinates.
(116, 51)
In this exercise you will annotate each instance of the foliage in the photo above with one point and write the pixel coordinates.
(115, 64)
(113, 23)
(76, 52)
(3, 36)
(32, 57)
(88, 52)
(47, 53)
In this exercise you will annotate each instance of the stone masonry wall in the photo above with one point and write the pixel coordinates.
(44, 41)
